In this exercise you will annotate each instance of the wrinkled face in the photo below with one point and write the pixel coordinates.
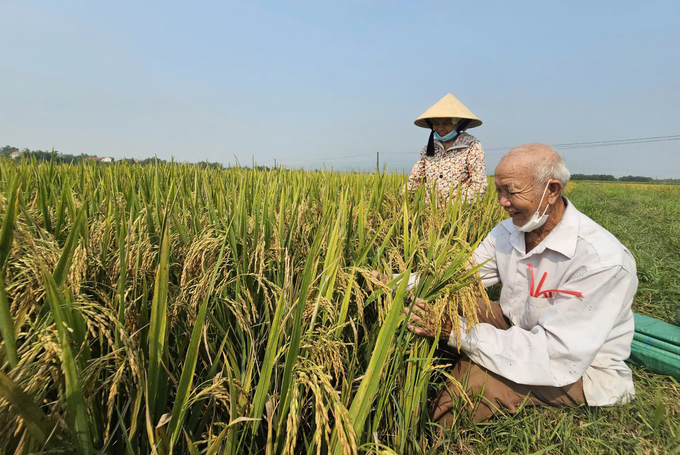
(442, 126)
(517, 192)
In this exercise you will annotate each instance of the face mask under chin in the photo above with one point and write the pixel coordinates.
(446, 138)
(536, 221)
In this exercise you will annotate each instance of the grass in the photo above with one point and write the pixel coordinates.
(174, 309)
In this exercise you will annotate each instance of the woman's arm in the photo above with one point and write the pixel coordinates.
(417, 174)
(476, 183)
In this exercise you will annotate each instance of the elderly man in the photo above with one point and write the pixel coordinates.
(563, 326)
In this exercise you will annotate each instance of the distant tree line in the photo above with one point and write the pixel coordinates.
(599, 177)
(635, 178)
(627, 178)
(43, 155)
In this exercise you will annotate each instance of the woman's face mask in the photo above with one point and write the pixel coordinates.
(446, 138)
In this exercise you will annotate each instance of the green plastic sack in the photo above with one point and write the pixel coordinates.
(656, 345)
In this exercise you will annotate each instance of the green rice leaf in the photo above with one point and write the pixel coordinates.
(33, 418)
(6, 236)
(179, 409)
(79, 422)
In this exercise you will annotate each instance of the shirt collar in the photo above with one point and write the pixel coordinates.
(562, 238)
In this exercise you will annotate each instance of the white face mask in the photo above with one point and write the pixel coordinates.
(536, 220)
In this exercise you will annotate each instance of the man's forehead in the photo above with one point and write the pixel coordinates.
(511, 169)
(508, 184)
(512, 179)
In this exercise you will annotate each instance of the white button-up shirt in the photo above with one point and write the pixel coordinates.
(556, 340)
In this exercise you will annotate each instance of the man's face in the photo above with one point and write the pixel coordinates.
(517, 192)
(442, 126)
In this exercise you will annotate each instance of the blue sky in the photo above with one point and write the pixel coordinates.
(313, 82)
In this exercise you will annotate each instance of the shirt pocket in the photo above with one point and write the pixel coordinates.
(532, 311)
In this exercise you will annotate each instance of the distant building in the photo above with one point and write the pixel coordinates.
(15, 155)
(101, 159)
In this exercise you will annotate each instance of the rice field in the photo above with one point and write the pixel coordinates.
(178, 309)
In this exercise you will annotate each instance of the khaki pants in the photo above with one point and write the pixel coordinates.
(495, 391)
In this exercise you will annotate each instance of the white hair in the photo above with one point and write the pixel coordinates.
(544, 162)
(551, 169)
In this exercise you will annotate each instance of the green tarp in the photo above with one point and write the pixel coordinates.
(656, 345)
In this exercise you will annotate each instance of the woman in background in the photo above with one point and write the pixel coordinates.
(453, 160)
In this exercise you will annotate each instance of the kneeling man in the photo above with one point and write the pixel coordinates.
(562, 329)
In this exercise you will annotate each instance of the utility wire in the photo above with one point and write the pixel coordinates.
(611, 144)
(577, 145)
(581, 145)
(499, 150)
(673, 137)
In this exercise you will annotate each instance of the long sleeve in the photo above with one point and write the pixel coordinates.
(475, 184)
(568, 335)
(485, 254)
(416, 176)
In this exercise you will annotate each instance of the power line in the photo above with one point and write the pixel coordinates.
(610, 143)
(673, 137)
(618, 143)
(499, 150)
(577, 145)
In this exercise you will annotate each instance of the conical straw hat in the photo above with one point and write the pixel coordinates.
(448, 107)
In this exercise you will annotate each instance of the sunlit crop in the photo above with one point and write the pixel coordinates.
(176, 308)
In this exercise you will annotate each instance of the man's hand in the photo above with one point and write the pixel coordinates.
(422, 321)
(382, 277)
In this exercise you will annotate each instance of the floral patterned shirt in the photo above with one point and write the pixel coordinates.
(460, 169)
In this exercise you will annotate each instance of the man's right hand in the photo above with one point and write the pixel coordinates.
(382, 277)
(422, 322)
